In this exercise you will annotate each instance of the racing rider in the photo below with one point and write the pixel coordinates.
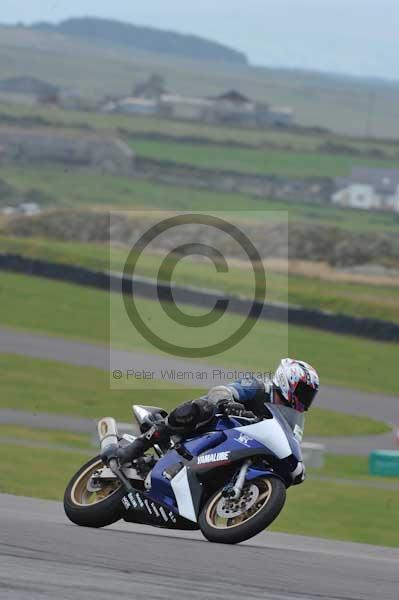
(292, 389)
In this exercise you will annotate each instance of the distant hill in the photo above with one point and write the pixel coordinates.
(146, 39)
(95, 70)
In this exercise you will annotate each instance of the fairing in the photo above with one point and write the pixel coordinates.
(179, 483)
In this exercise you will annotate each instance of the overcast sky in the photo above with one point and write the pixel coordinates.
(347, 36)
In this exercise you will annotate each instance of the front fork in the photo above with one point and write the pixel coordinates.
(234, 488)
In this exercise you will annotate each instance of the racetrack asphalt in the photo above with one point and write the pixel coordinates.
(381, 407)
(43, 556)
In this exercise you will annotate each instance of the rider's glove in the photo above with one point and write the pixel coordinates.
(150, 420)
(230, 407)
(159, 433)
(234, 409)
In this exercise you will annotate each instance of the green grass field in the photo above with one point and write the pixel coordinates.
(46, 473)
(79, 188)
(288, 154)
(350, 467)
(185, 131)
(350, 512)
(18, 435)
(374, 301)
(263, 162)
(46, 386)
(76, 312)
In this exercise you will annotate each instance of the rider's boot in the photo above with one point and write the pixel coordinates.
(159, 433)
(133, 450)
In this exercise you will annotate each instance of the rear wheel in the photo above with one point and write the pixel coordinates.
(93, 505)
(228, 521)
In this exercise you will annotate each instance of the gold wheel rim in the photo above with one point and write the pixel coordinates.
(214, 520)
(81, 496)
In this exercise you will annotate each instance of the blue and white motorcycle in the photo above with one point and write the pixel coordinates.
(230, 482)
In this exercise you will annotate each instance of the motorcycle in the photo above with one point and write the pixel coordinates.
(229, 481)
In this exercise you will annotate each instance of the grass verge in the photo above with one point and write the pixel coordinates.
(45, 436)
(82, 188)
(72, 311)
(349, 512)
(355, 299)
(257, 162)
(136, 125)
(45, 473)
(349, 467)
(46, 386)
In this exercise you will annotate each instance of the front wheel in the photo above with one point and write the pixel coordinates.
(228, 521)
(93, 506)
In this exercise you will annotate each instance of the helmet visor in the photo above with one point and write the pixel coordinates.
(305, 394)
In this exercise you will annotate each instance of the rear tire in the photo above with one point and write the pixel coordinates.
(265, 499)
(93, 509)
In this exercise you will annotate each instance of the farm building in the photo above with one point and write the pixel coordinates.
(280, 115)
(368, 189)
(186, 108)
(152, 89)
(130, 105)
(233, 107)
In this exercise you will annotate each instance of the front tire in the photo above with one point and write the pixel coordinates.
(230, 522)
(93, 509)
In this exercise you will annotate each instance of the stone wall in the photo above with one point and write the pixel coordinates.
(69, 149)
(299, 241)
(312, 189)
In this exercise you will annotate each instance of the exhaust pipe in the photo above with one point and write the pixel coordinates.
(107, 432)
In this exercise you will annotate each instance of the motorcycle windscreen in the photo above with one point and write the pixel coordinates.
(295, 419)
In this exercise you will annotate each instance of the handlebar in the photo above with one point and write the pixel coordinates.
(246, 414)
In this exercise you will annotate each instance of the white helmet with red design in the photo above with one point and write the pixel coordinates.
(297, 383)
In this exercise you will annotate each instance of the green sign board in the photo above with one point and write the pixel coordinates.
(384, 463)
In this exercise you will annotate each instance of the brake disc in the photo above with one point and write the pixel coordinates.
(94, 484)
(228, 508)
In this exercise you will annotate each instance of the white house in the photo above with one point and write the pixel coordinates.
(129, 105)
(368, 189)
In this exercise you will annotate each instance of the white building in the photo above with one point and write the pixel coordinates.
(26, 208)
(368, 189)
(187, 108)
(29, 208)
(131, 106)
